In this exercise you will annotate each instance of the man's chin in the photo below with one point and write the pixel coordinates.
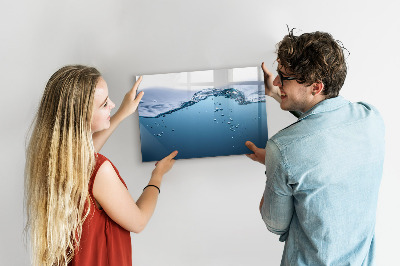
(285, 108)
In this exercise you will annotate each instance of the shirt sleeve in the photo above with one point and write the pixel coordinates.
(277, 209)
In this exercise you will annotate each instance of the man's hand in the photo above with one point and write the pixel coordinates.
(258, 155)
(270, 89)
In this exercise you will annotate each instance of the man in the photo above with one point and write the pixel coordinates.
(324, 171)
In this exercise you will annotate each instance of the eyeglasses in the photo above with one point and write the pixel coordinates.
(282, 78)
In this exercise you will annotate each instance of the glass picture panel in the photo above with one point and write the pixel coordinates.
(202, 113)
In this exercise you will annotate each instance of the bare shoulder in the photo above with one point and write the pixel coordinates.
(114, 198)
(106, 170)
(106, 180)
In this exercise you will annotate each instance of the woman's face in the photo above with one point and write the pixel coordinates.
(102, 106)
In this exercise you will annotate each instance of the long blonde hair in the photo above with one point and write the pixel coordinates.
(59, 162)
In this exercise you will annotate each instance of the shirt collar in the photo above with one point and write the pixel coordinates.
(325, 106)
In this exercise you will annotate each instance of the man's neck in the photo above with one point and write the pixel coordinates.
(316, 100)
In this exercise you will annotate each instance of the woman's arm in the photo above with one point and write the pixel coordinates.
(116, 201)
(128, 107)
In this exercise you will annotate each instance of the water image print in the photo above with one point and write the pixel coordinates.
(202, 113)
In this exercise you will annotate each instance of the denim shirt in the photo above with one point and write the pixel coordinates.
(323, 176)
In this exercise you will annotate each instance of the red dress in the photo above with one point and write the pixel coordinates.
(103, 241)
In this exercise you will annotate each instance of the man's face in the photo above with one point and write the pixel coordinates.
(294, 96)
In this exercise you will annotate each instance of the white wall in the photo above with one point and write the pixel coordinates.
(208, 209)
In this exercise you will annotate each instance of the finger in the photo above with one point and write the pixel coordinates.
(136, 85)
(139, 96)
(265, 69)
(172, 155)
(251, 146)
(251, 156)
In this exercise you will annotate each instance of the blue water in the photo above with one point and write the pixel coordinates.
(217, 124)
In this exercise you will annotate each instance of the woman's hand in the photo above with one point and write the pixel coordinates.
(128, 107)
(131, 100)
(270, 89)
(163, 166)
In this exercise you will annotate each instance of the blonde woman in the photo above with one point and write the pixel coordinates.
(78, 207)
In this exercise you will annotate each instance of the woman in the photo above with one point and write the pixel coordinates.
(78, 207)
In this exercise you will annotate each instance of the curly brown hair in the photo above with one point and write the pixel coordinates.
(314, 57)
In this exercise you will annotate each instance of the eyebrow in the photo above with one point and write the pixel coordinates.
(284, 74)
(280, 72)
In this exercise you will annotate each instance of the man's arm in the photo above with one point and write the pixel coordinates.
(261, 203)
(270, 89)
(276, 205)
(128, 106)
(277, 208)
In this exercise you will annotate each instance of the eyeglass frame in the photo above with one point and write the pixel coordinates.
(282, 78)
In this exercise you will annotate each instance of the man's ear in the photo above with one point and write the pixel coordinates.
(317, 88)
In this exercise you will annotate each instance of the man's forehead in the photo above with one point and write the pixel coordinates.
(282, 69)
